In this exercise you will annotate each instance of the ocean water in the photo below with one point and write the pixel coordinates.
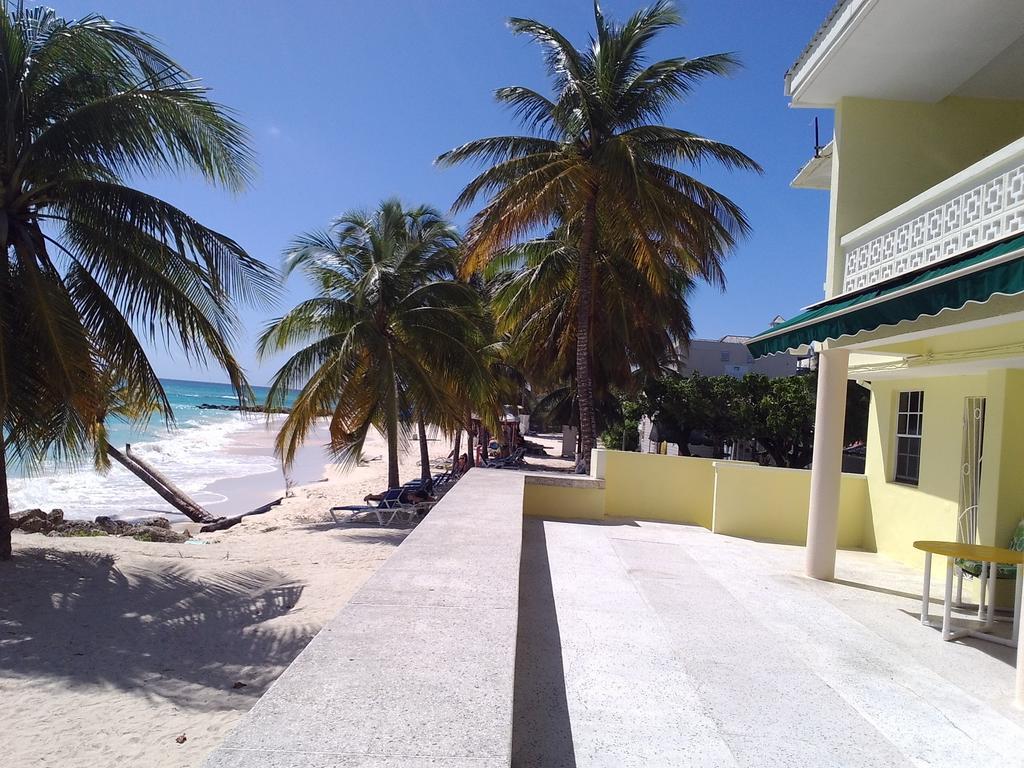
(193, 454)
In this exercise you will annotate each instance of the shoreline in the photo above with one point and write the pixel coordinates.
(236, 457)
(247, 492)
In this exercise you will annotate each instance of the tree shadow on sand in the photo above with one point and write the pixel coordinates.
(165, 631)
(366, 532)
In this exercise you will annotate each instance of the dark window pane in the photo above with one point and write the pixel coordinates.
(908, 459)
(909, 426)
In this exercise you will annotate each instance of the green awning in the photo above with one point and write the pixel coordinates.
(941, 288)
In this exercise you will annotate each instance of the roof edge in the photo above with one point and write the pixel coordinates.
(838, 15)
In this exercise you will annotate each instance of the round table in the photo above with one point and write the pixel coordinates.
(987, 556)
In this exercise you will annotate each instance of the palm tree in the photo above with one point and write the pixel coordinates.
(390, 334)
(534, 295)
(599, 160)
(534, 298)
(90, 267)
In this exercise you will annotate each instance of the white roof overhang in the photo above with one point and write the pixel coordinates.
(912, 50)
(817, 172)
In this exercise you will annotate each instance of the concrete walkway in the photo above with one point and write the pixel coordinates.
(656, 645)
(416, 671)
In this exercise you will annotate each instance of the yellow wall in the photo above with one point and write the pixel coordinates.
(1002, 481)
(886, 152)
(899, 514)
(902, 514)
(643, 486)
(733, 498)
(563, 501)
(639, 486)
(770, 503)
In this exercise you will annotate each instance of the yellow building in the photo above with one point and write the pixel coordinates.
(924, 281)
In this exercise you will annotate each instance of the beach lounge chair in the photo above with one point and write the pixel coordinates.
(514, 459)
(391, 503)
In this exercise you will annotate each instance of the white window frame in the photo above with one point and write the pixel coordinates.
(908, 415)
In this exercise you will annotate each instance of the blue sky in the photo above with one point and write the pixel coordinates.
(349, 102)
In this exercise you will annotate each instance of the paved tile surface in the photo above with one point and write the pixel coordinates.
(647, 644)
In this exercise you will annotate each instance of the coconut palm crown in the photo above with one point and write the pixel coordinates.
(534, 295)
(598, 158)
(391, 333)
(92, 268)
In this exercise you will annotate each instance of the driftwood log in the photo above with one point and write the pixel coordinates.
(227, 522)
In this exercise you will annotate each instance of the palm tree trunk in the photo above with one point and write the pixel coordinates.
(584, 316)
(392, 426)
(6, 551)
(456, 446)
(393, 481)
(424, 452)
(167, 491)
(469, 440)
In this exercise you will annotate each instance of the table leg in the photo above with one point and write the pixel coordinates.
(982, 586)
(926, 589)
(992, 581)
(1016, 602)
(948, 599)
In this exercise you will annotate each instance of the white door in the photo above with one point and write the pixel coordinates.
(970, 469)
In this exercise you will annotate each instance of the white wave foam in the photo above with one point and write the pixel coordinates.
(192, 457)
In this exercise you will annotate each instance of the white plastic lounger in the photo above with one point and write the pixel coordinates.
(390, 503)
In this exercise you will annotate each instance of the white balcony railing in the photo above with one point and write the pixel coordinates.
(982, 204)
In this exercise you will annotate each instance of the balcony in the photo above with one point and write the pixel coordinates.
(981, 205)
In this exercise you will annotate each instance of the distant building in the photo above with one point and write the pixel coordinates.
(729, 356)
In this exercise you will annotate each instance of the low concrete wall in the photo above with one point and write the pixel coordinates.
(734, 498)
(568, 497)
(647, 486)
(417, 669)
(770, 503)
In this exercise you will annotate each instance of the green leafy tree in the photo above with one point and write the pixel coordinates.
(390, 336)
(91, 268)
(673, 403)
(623, 433)
(598, 160)
(720, 410)
(706, 404)
(779, 415)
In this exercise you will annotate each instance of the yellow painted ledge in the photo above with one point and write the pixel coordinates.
(770, 504)
(569, 497)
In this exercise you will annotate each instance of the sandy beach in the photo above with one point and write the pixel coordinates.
(112, 649)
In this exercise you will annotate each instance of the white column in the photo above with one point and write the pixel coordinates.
(827, 464)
